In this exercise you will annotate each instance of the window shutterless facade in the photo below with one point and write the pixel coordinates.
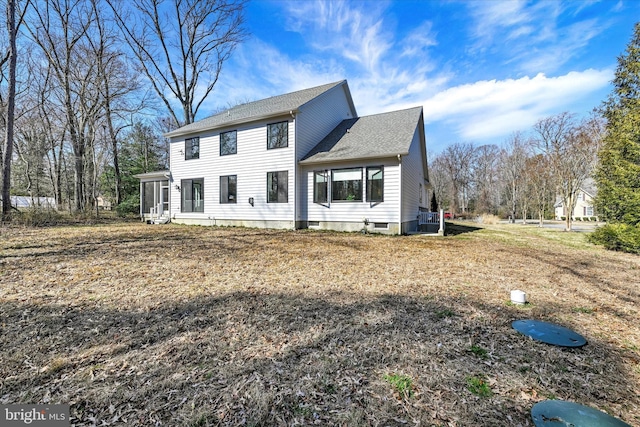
(277, 187)
(346, 185)
(375, 184)
(278, 135)
(192, 192)
(320, 187)
(192, 148)
(228, 143)
(228, 185)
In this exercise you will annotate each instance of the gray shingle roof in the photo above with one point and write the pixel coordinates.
(379, 135)
(589, 187)
(255, 110)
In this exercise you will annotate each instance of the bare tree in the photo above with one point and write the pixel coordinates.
(117, 84)
(458, 162)
(539, 178)
(181, 46)
(571, 149)
(486, 178)
(59, 28)
(512, 164)
(441, 182)
(7, 152)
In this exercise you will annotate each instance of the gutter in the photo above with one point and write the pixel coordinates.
(400, 195)
(296, 170)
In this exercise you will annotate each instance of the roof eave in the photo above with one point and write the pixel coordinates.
(177, 132)
(312, 161)
(154, 174)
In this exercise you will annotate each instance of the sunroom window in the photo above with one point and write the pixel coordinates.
(375, 184)
(346, 185)
(320, 187)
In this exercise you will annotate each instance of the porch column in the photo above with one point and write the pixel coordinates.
(141, 199)
(161, 205)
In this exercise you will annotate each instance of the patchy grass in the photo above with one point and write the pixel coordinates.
(402, 384)
(479, 351)
(141, 325)
(479, 386)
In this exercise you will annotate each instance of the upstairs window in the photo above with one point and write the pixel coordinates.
(375, 184)
(278, 135)
(346, 185)
(192, 192)
(228, 189)
(228, 143)
(277, 187)
(192, 148)
(320, 187)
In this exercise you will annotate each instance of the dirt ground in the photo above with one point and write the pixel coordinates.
(143, 325)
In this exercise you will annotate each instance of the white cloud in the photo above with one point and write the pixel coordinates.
(355, 33)
(250, 76)
(532, 37)
(494, 108)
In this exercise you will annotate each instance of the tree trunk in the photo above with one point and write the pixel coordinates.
(11, 102)
(541, 217)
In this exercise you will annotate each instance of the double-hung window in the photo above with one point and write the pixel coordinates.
(192, 148)
(192, 195)
(228, 185)
(277, 187)
(346, 184)
(320, 187)
(278, 135)
(375, 184)
(228, 143)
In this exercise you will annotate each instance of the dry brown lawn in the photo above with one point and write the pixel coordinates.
(143, 325)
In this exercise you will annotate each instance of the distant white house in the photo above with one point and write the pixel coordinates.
(299, 160)
(23, 202)
(584, 209)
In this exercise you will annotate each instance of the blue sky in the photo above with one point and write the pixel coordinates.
(481, 69)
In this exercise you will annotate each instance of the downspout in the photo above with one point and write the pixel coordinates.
(295, 171)
(400, 195)
(141, 206)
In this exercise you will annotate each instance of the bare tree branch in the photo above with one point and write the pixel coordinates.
(181, 47)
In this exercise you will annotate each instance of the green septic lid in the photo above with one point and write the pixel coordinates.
(561, 413)
(549, 333)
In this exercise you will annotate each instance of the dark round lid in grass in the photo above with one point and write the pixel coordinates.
(562, 413)
(549, 333)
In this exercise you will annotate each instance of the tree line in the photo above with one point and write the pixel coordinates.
(527, 175)
(524, 177)
(88, 88)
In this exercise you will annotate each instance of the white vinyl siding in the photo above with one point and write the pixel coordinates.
(413, 176)
(250, 165)
(316, 120)
(319, 117)
(356, 211)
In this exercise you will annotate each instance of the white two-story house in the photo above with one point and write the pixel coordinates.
(299, 160)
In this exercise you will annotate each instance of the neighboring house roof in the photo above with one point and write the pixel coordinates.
(588, 186)
(379, 135)
(274, 106)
